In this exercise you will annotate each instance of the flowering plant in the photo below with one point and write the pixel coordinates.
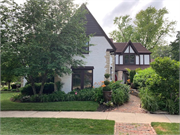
(106, 83)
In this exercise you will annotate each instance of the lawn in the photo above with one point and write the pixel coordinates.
(12, 126)
(7, 105)
(166, 128)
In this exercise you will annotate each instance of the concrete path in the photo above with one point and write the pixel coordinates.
(117, 116)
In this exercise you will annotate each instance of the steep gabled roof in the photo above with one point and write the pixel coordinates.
(93, 27)
(137, 47)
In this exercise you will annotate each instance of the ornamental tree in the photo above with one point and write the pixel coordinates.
(44, 37)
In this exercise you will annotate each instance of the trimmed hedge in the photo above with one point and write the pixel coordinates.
(27, 90)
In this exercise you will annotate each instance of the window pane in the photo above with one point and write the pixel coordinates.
(87, 80)
(76, 81)
(87, 71)
(132, 58)
(126, 59)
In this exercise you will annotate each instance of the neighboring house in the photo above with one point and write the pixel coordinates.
(130, 55)
(104, 57)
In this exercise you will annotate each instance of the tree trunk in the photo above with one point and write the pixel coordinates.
(8, 85)
(33, 87)
(32, 84)
(43, 82)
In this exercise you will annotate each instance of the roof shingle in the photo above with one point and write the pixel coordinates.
(139, 47)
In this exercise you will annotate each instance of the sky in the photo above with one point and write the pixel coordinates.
(105, 11)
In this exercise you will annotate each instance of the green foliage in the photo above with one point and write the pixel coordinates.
(109, 103)
(161, 51)
(59, 85)
(8, 105)
(175, 49)
(148, 100)
(125, 29)
(106, 82)
(107, 76)
(27, 90)
(129, 70)
(161, 83)
(107, 88)
(132, 74)
(118, 96)
(120, 92)
(149, 28)
(98, 95)
(42, 37)
(141, 77)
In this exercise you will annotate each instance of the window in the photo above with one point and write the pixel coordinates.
(129, 59)
(86, 48)
(82, 78)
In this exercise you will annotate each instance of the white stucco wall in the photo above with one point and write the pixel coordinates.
(95, 58)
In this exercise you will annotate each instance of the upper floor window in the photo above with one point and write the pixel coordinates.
(129, 59)
(86, 48)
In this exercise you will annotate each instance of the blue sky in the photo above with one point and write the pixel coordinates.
(106, 10)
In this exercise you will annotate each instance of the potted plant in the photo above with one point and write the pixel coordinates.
(107, 89)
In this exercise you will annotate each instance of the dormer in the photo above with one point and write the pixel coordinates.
(131, 54)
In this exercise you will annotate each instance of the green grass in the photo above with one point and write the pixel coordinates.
(166, 128)
(12, 126)
(7, 105)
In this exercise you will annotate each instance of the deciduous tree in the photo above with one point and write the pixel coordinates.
(49, 34)
(150, 28)
(175, 49)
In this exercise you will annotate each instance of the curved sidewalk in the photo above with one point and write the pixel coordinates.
(117, 116)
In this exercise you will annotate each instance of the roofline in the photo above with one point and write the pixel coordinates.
(131, 45)
(111, 43)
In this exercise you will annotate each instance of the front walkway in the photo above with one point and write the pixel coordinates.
(133, 106)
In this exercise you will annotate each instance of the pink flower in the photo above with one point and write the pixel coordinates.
(75, 93)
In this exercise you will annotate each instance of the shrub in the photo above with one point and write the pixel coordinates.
(48, 88)
(132, 74)
(107, 76)
(120, 92)
(162, 85)
(106, 82)
(148, 100)
(107, 88)
(141, 77)
(118, 96)
(13, 86)
(98, 95)
(35, 98)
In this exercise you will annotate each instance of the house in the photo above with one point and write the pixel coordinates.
(104, 57)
